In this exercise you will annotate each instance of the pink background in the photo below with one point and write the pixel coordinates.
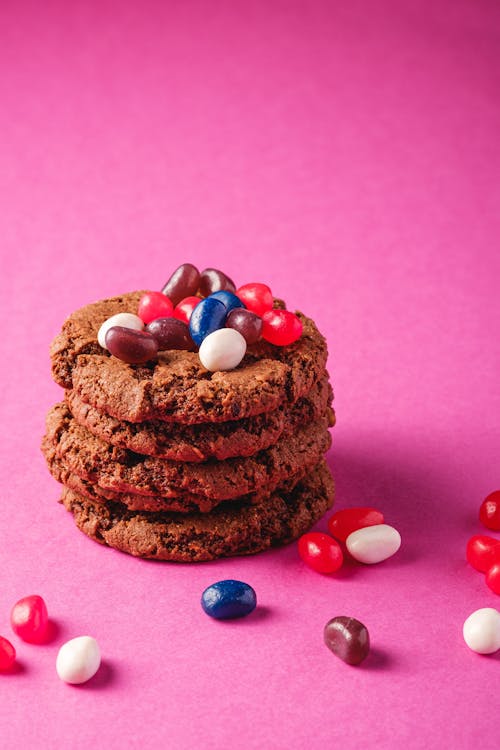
(346, 153)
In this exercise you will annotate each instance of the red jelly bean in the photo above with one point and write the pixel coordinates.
(154, 305)
(482, 552)
(489, 512)
(344, 522)
(320, 552)
(493, 578)
(256, 297)
(212, 280)
(185, 308)
(133, 347)
(29, 619)
(245, 322)
(183, 282)
(7, 654)
(281, 327)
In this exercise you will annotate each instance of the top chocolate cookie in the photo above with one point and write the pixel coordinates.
(177, 387)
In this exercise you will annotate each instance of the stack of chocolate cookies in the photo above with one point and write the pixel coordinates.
(167, 460)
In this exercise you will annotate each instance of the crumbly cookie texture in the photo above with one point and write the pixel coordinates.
(236, 530)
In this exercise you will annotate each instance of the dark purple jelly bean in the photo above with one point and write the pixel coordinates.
(208, 316)
(134, 347)
(184, 282)
(212, 280)
(228, 299)
(170, 333)
(245, 322)
(348, 639)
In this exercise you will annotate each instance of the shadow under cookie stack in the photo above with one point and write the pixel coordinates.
(170, 458)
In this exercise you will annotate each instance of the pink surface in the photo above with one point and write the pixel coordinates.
(347, 154)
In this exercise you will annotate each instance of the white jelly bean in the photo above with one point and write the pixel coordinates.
(373, 544)
(78, 660)
(125, 320)
(222, 350)
(482, 631)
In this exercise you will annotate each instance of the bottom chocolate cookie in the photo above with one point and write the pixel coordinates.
(233, 530)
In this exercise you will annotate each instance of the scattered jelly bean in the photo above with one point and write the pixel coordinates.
(348, 638)
(493, 578)
(373, 544)
(134, 347)
(125, 320)
(320, 552)
(78, 660)
(482, 631)
(247, 323)
(281, 327)
(154, 305)
(208, 316)
(184, 308)
(345, 521)
(212, 280)
(226, 600)
(29, 619)
(256, 297)
(170, 333)
(482, 552)
(7, 654)
(489, 512)
(228, 299)
(184, 282)
(222, 350)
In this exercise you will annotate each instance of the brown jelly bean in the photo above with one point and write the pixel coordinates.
(212, 280)
(347, 638)
(245, 322)
(171, 333)
(184, 282)
(134, 347)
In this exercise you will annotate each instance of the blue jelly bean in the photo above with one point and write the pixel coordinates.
(226, 600)
(208, 316)
(228, 299)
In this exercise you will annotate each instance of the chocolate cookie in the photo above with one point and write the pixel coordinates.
(124, 471)
(200, 442)
(186, 503)
(227, 531)
(177, 387)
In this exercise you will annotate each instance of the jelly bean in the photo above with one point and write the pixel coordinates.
(222, 350)
(226, 600)
(7, 654)
(247, 323)
(348, 638)
(208, 316)
(489, 512)
(228, 299)
(373, 544)
(256, 297)
(29, 619)
(482, 631)
(125, 320)
(482, 552)
(170, 333)
(78, 660)
(345, 521)
(320, 552)
(184, 308)
(184, 282)
(281, 327)
(154, 305)
(134, 347)
(212, 280)
(493, 578)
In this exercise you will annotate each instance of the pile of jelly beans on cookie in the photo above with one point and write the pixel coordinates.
(201, 311)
